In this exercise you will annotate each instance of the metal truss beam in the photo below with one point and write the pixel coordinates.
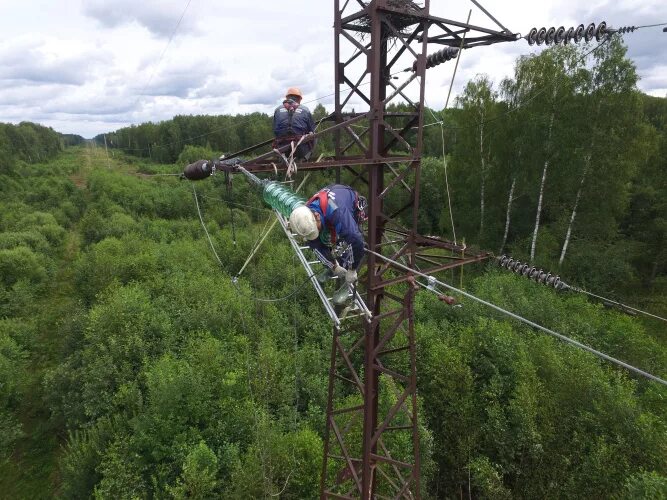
(372, 376)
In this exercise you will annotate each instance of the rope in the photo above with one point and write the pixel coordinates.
(253, 252)
(230, 195)
(527, 321)
(284, 487)
(210, 241)
(290, 163)
(449, 197)
(442, 129)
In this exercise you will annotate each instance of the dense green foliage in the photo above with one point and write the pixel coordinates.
(512, 409)
(165, 141)
(131, 366)
(564, 166)
(28, 142)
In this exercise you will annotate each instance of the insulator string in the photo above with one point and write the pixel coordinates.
(531, 272)
(525, 320)
(551, 280)
(563, 36)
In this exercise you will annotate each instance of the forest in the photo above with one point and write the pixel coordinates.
(132, 366)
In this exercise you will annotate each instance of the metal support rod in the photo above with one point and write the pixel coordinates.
(256, 181)
(489, 15)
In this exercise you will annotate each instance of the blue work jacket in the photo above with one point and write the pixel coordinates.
(340, 219)
(296, 123)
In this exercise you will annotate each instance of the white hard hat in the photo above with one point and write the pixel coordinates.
(302, 221)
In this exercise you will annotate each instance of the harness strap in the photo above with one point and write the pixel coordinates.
(290, 106)
(323, 197)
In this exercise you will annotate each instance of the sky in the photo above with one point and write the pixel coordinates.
(92, 66)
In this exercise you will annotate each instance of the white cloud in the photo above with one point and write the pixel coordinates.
(45, 59)
(93, 65)
(158, 17)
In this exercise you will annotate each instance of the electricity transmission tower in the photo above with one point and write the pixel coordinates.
(371, 447)
(373, 363)
(372, 442)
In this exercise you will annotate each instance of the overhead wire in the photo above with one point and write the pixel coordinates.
(619, 304)
(164, 51)
(526, 321)
(651, 25)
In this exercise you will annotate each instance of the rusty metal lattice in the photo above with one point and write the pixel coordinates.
(372, 447)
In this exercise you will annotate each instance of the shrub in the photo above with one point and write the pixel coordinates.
(21, 263)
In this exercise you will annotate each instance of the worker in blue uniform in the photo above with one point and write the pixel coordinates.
(329, 222)
(291, 121)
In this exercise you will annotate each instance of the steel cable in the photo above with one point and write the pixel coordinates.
(619, 304)
(527, 321)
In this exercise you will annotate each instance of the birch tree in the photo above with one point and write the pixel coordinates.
(610, 88)
(513, 91)
(543, 83)
(477, 101)
(548, 152)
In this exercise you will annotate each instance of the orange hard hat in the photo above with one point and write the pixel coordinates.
(294, 91)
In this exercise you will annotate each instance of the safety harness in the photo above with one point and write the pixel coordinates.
(322, 196)
(291, 107)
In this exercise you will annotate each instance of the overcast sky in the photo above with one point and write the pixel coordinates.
(92, 66)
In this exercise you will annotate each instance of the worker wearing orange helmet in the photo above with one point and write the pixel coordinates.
(291, 121)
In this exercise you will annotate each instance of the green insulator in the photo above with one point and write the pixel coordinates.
(281, 198)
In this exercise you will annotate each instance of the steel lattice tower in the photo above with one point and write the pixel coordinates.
(371, 447)
(373, 367)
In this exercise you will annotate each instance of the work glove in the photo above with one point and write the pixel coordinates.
(339, 271)
(350, 276)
